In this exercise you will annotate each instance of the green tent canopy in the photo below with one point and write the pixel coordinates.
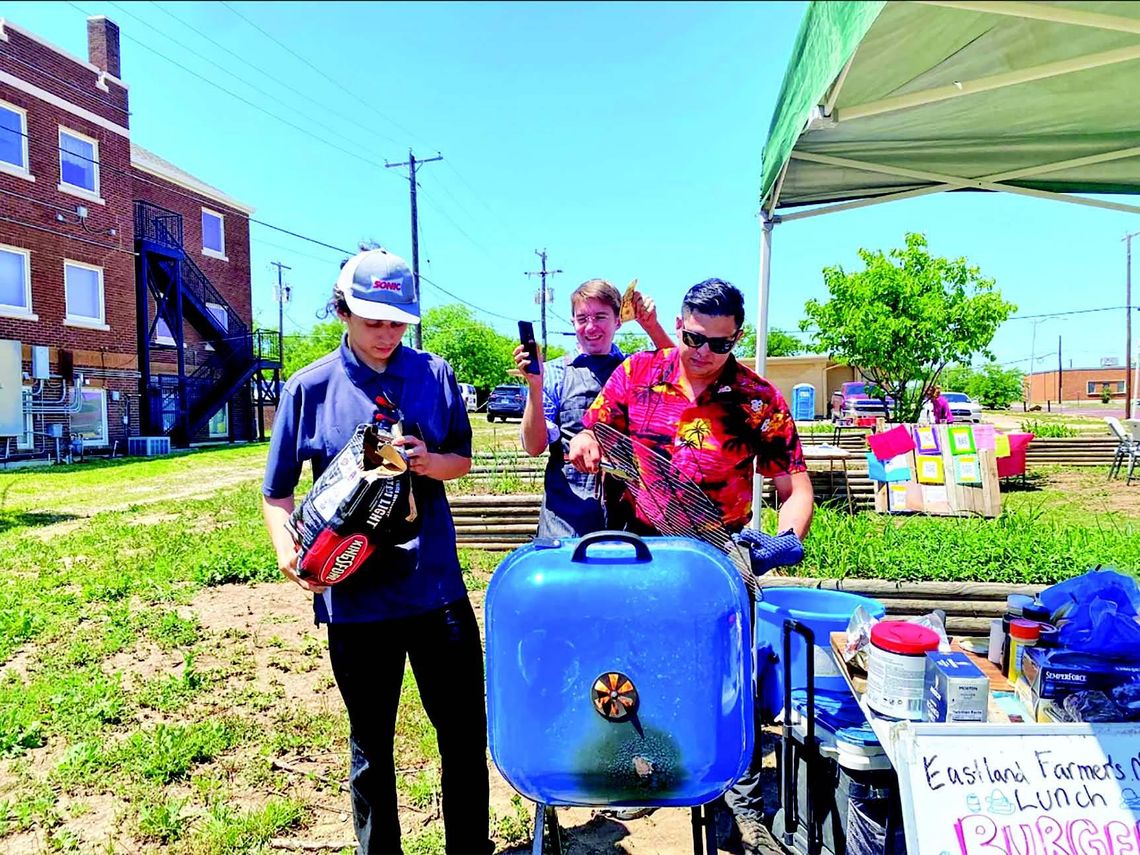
(892, 100)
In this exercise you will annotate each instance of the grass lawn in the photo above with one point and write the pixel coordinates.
(157, 696)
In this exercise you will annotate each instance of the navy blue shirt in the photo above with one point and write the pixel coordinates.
(320, 407)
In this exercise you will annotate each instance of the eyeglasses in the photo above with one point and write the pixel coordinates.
(598, 318)
(719, 345)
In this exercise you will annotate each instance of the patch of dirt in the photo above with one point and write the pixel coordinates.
(284, 611)
(1090, 488)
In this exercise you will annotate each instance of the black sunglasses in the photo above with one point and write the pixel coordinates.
(716, 344)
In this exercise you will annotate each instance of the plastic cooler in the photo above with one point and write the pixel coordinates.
(824, 612)
(848, 779)
(618, 671)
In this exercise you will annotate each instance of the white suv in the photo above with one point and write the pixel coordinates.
(963, 407)
(470, 400)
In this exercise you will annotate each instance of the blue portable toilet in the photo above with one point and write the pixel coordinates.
(803, 402)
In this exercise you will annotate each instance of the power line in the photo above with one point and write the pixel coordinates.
(338, 85)
(68, 236)
(84, 91)
(343, 116)
(300, 236)
(1067, 313)
(219, 66)
(465, 302)
(233, 94)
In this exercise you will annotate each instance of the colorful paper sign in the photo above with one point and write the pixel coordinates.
(896, 496)
(1001, 445)
(961, 439)
(984, 437)
(967, 470)
(891, 443)
(926, 440)
(930, 469)
(878, 471)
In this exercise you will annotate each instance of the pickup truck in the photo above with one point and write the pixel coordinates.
(852, 401)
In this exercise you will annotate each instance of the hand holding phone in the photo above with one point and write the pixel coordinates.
(526, 339)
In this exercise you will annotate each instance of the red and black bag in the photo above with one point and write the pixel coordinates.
(363, 499)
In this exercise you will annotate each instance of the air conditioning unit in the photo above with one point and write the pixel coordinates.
(148, 446)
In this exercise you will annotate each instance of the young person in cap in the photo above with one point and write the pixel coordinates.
(409, 600)
(719, 422)
(559, 395)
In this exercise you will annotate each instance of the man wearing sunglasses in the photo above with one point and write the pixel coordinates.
(720, 423)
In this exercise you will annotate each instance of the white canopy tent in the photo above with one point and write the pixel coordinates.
(894, 100)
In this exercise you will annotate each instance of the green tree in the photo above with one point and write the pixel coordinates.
(303, 348)
(990, 385)
(631, 342)
(780, 343)
(904, 318)
(477, 353)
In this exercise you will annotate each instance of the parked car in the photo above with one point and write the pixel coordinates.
(963, 407)
(506, 402)
(470, 399)
(852, 401)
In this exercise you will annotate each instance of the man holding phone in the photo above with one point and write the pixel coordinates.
(560, 394)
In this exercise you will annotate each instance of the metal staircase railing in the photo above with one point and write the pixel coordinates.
(238, 353)
(215, 380)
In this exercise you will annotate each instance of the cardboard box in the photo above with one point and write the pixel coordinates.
(1043, 710)
(956, 689)
(1053, 673)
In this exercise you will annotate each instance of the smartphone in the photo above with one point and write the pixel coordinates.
(526, 337)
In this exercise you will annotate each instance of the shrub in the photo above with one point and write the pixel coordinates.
(1049, 430)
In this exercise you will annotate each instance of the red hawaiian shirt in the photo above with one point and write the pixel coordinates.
(739, 422)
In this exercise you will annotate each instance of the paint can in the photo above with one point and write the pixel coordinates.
(896, 670)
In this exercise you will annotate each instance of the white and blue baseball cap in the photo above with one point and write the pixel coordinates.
(379, 286)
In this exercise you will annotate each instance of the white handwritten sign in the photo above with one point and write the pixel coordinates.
(1065, 789)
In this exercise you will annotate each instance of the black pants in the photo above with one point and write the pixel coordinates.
(447, 660)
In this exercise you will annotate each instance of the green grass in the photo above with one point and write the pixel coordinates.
(101, 565)
(1028, 543)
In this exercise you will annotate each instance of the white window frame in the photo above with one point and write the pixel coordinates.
(72, 320)
(24, 171)
(159, 337)
(102, 393)
(75, 189)
(27, 440)
(208, 251)
(22, 312)
(221, 316)
(210, 425)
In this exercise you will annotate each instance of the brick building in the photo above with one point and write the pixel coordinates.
(1078, 384)
(125, 297)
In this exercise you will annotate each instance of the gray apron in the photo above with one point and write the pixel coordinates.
(570, 504)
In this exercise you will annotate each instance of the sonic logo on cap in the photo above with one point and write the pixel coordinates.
(386, 285)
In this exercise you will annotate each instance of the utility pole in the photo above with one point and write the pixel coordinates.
(1033, 358)
(282, 299)
(1059, 372)
(413, 165)
(1129, 389)
(544, 295)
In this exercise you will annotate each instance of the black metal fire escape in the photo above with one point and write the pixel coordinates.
(181, 404)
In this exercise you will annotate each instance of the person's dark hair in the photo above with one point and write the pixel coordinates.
(337, 306)
(715, 297)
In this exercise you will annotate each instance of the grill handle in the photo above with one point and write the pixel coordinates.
(640, 547)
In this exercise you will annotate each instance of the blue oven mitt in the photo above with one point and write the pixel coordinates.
(767, 551)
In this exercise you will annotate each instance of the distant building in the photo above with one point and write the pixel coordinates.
(818, 370)
(1078, 384)
(125, 296)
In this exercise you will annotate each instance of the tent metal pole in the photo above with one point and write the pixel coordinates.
(987, 84)
(766, 224)
(953, 181)
(1040, 12)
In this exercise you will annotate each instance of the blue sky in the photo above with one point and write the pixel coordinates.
(623, 138)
